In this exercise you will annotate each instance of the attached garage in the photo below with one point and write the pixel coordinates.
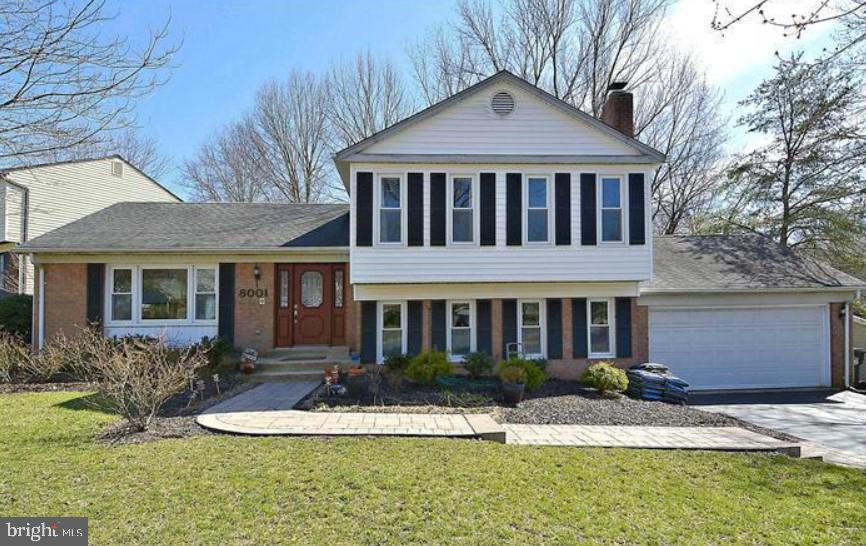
(740, 312)
(743, 347)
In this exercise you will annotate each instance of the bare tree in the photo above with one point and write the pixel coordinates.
(291, 137)
(277, 152)
(689, 128)
(367, 95)
(227, 168)
(140, 150)
(63, 82)
(575, 49)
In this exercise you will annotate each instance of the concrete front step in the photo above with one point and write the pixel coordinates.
(281, 376)
(301, 365)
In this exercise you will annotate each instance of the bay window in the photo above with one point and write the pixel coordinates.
(537, 210)
(161, 294)
(460, 341)
(390, 210)
(611, 209)
(462, 213)
(599, 328)
(530, 332)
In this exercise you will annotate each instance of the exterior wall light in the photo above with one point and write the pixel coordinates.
(257, 272)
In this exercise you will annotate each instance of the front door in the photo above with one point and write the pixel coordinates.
(312, 308)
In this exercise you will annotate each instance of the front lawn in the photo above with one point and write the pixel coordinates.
(240, 490)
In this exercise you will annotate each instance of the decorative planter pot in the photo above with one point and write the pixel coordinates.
(513, 392)
(247, 367)
(357, 385)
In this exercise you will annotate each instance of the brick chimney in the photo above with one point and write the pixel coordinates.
(618, 110)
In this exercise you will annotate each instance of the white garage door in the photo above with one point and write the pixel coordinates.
(743, 348)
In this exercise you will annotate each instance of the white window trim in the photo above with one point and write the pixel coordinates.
(380, 328)
(109, 293)
(137, 272)
(472, 333)
(525, 195)
(611, 322)
(601, 208)
(542, 318)
(377, 198)
(475, 210)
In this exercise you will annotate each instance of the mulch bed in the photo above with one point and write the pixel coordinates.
(405, 399)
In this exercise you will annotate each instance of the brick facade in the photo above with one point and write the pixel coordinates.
(254, 318)
(65, 300)
(837, 345)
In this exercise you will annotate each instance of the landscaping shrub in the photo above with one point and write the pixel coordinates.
(532, 369)
(512, 374)
(428, 366)
(396, 363)
(14, 354)
(604, 377)
(478, 364)
(16, 315)
(134, 377)
(216, 350)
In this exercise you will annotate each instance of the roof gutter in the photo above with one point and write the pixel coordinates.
(750, 290)
(276, 250)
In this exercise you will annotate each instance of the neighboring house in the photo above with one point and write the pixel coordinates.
(34, 200)
(499, 219)
(859, 333)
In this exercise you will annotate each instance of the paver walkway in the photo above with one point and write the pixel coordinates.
(712, 438)
(267, 410)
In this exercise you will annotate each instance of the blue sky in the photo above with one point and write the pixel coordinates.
(230, 48)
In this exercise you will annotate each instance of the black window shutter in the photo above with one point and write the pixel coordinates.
(623, 327)
(578, 328)
(364, 209)
(95, 293)
(484, 339)
(226, 322)
(488, 209)
(415, 208)
(437, 325)
(587, 209)
(636, 211)
(415, 327)
(554, 328)
(437, 209)
(563, 208)
(368, 332)
(513, 209)
(509, 325)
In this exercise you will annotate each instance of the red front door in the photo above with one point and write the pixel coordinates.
(313, 306)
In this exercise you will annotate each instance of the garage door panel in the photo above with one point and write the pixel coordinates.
(759, 347)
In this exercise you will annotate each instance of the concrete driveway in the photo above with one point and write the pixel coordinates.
(834, 422)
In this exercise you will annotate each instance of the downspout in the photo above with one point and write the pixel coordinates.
(847, 382)
(41, 307)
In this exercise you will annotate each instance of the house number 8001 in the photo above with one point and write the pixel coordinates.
(253, 292)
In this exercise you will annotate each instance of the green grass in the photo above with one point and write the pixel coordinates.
(237, 490)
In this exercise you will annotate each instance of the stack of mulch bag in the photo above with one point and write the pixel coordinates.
(651, 381)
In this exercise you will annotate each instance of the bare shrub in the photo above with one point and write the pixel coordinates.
(133, 377)
(14, 355)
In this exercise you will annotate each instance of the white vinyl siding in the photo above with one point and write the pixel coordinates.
(471, 127)
(501, 263)
(62, 193)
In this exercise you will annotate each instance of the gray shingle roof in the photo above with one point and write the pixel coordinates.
(200, 226)
(736, 262)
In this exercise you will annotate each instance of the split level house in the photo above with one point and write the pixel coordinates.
(39, 198)
(500, 219)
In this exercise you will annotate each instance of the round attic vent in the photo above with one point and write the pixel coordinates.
(502, 103)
